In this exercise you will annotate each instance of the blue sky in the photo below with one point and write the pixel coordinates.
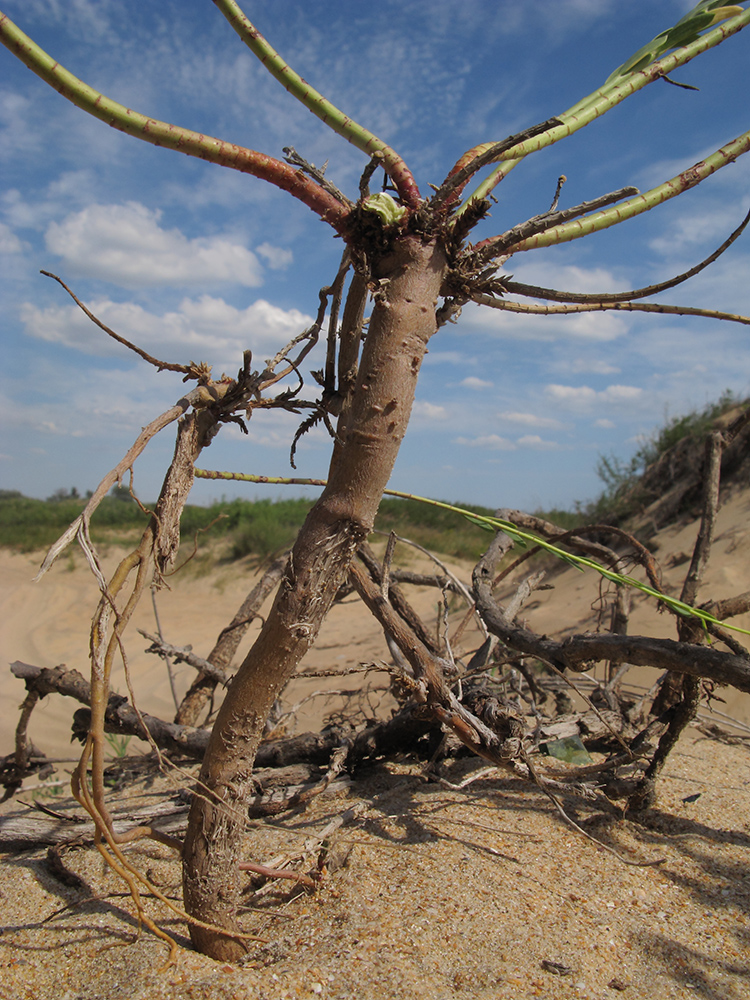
(195, 262)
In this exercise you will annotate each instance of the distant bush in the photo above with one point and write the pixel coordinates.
(257, 528)
(264, 527)
(620, 496)
(261, 528)
(434, 528)
(26, 523)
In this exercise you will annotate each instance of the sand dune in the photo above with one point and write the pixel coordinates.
(47, 623)
(480, 894)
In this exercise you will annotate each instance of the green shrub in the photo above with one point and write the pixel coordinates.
(620, 496)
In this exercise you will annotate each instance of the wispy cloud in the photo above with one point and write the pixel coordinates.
(424, 411)
(602, 327)
(529, 420)
(583, 397)
(585, 366)
(277, 258)
(492, 442)
(9, 242)
(472, 382)
(535, 442)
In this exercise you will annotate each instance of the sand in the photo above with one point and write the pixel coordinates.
(483, 892)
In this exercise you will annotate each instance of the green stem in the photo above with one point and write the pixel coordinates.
(576, 228)
(516, 533)
(604, 99)
(314, 101)
(160, 133)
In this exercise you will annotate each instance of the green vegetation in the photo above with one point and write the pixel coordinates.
(261, 528)
(436, 529)
(620, 497)
(28, 524)
(249, 528)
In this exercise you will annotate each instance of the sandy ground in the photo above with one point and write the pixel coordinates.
(47, 623)
(479, 893)
(483, 893)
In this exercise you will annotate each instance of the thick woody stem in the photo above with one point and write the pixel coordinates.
(402, 322)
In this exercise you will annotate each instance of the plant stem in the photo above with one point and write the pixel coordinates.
(517, 534)
(159, 133)
(322, 108)
(640, 203)
(604, 99)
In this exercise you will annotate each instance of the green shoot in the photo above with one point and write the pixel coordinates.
(626, 80)
(518, 535)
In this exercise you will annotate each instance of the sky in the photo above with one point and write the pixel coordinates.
(195, 262)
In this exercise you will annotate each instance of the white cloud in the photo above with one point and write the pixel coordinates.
(276, 258)
(9, 242)
(93, 13)
(699, 230)
(490, 441)
(529, 420)
(657, 172)
(203, 329)
(572, 395)
(620, 393)
(444, 358)
(582, 397)
(126, 245)
(604, 423)
(586, 366)
(99, 403)
(598, 326)
(429, 411)
(568, 277)
(535, 442)
(472, 382)
(17, 133)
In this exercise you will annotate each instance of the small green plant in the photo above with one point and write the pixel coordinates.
(53, 787)
(118, 745)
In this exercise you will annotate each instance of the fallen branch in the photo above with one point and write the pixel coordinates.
(580, 652)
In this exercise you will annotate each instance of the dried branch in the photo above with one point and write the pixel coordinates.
(480, 156)
(687, 690)
(576, 539)
(184, 654)
(191, 371)
(401, 731)
(317, 173)
(396, 597)
(580, 652)
(481, 254)
(702, 550)
(539, 310)
(165, 134)
(430, 688)
(360, 137)
(202, 689)
(200, 397)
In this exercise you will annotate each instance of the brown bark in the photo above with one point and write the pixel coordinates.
(202, 689)
(683, 713)
(402, 322)
(579, 652)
